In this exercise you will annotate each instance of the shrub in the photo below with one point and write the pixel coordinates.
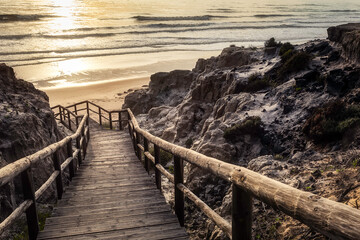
(331, 121)
(251, 125)
(272, 43)
(296, 62)
(287, 55)
(256, 82)
(285, 48)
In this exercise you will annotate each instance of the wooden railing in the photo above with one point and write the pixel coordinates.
(22, 167)
(103, 117)
(333, 219)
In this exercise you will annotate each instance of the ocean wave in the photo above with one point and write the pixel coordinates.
(343, 10)
(179, 18)
(272, 15)
(222, 28)
(155, 30)
(165, 25)
(78, 36)
(22, 18)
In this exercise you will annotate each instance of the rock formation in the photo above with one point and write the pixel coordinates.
(27, 125)
(292, 117)
(348, 36)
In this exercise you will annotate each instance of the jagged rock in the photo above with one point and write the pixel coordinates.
(215, 101)
(348, 36)
(27, 125)
(164, 89)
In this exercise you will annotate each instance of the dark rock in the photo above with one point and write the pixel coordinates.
(334, 82)
(306, 78)
(333, 56)
(348, 36)
(27, 125)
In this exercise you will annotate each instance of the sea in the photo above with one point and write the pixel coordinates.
(62, 43)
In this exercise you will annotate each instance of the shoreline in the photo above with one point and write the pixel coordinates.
(109, 95)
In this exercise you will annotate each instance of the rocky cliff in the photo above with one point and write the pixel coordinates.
(27, 125)
(289, 112)
(348, 36)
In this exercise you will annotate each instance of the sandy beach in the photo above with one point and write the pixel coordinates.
(109, 95)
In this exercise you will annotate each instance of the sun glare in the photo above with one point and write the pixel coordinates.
(65, 12)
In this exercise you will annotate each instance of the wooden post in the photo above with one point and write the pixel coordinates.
(179, 195)
(59, 182)
(61, 116)
(110, 120)
(100, 122)
(131, 136)
(75, 110)
(31, 212)
(88, 136)
(78, 147)
(84, 141)
(157, 161)
(241, 214)
(70, 154)
(77, 121)
(87, 108)
(146, 149)
(137, 141)
(120, 122)
(69, 120)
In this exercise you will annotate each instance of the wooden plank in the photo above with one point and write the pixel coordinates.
(106, 218)
(85, 209)
(111, 225)
(147, 231)
(112, 197)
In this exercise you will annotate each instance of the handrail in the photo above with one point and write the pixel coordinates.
(333, 219)
(23, 167)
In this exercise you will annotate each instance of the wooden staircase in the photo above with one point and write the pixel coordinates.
(112, 197)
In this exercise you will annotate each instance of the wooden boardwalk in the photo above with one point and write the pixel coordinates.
(112, 197)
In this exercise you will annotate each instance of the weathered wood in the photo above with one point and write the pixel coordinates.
(59, 181)
(100, 116)
(110, 121)
(78, 147)
(69, 120)
(31, 212)
(146, 159)
(137, 142)
(157, 161)
(70, 155)
(46, 184)
(111, 195)
(179, 195)
(11, 219)
(87, 108)
(241, 212)
(222, 223)
(168, 175)
(83, 142)
(341, 221)
(120, 122)
(144, 233)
